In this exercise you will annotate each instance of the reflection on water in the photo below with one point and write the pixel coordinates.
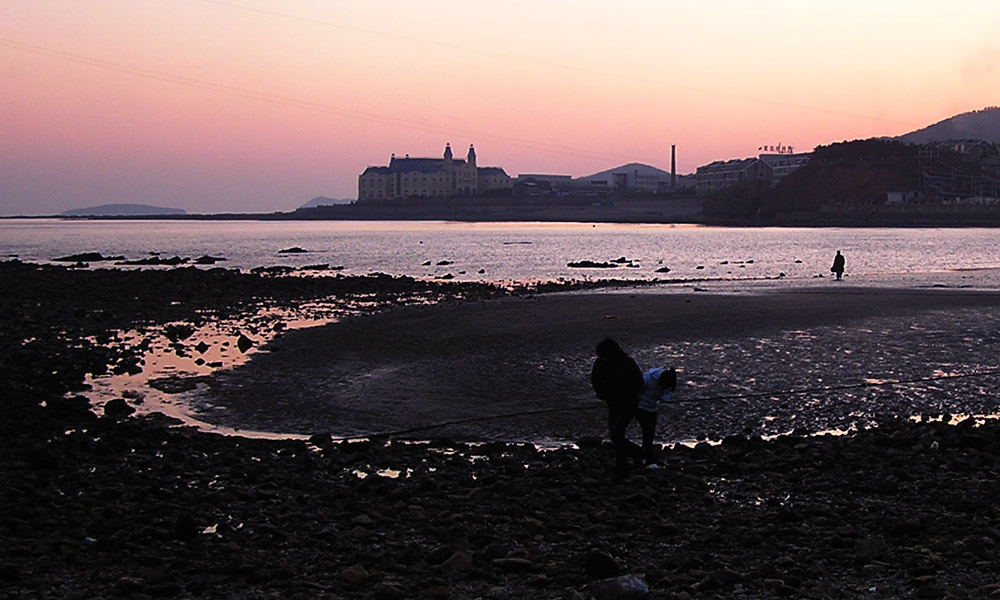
(712, 259)
(173, 365)
(838, 378)
(500, 252)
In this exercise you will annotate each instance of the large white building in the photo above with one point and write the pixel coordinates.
(445, 177)
(633, 177)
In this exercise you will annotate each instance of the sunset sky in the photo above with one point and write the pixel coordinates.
(260, 105)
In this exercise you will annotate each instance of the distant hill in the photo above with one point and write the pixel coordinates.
(978, 125)
(122, 210)
(324, 201)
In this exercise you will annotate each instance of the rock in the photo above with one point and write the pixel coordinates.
(207, 260)
(626, 587)
(870, 549)
(385, 591)
(355, 575)
(589, 264)
(513, 565)
(178, 331)
(293, 250)
(600, 565)
(460, 562)
(117, 409)
(129, 585)
(185, 528)
(10, 573)
(87, 257)
(244, 343)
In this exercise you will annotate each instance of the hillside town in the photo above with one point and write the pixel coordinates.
(944, 173)
(947, 173)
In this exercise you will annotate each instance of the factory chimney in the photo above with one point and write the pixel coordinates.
(673, 166)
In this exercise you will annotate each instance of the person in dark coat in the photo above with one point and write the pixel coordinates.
(838, 265)
(618, 382)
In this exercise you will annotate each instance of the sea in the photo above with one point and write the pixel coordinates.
(528, 252)
(723, 259)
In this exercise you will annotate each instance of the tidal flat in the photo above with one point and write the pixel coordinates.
(760, 503)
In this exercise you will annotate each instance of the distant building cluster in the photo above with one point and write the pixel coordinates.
(450, 177)
(769, 168)
(634, 178)
(445, 177)
(956, 172)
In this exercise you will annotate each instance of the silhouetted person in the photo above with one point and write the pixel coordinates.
(838, 265)
(660, 384)
(618, 382)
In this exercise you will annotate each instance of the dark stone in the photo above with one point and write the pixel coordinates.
(185, 527)
(600, 565)
(9, 573)
(244, 343)
(208, 260)
(589, 264)
(178, 331)
(129, 585)
(87, 257)
(117, 408)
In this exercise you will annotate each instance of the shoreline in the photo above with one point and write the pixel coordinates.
(101, 505)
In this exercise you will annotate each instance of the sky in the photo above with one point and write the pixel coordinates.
(221, 106)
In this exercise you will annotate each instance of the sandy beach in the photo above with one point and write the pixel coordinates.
(104, 503)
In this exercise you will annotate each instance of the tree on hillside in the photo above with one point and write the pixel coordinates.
(860, 172)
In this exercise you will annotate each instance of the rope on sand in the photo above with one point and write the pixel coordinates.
(750, 396)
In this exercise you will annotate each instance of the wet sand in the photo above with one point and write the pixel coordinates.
(104, 504)
(516, 369)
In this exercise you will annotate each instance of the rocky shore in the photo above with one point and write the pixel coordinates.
(109, 505)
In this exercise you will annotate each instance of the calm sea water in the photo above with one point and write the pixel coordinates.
(726, 259)
(498, 252)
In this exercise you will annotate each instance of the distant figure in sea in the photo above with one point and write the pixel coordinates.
(838, 265)
(617, 380)
(660, 385)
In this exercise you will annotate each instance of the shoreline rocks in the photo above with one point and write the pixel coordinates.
(102, 506)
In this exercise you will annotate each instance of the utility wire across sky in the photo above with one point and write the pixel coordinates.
(578, 69)
(303, 104)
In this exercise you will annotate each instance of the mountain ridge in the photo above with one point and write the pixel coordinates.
(122, 210)
(978, 124)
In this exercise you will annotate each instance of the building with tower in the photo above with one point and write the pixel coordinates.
(446, 177)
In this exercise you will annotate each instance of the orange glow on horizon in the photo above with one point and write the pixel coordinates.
(297, 97)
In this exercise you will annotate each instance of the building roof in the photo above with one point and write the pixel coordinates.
(641, 169)
(425, 165)
(491, 171)
(736, 164)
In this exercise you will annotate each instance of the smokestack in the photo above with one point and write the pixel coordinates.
(673, 166)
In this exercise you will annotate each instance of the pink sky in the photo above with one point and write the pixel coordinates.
(260, 105)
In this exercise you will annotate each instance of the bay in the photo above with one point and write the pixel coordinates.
(503, 252)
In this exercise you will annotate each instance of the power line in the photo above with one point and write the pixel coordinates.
(302, 104)
(544, 63)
